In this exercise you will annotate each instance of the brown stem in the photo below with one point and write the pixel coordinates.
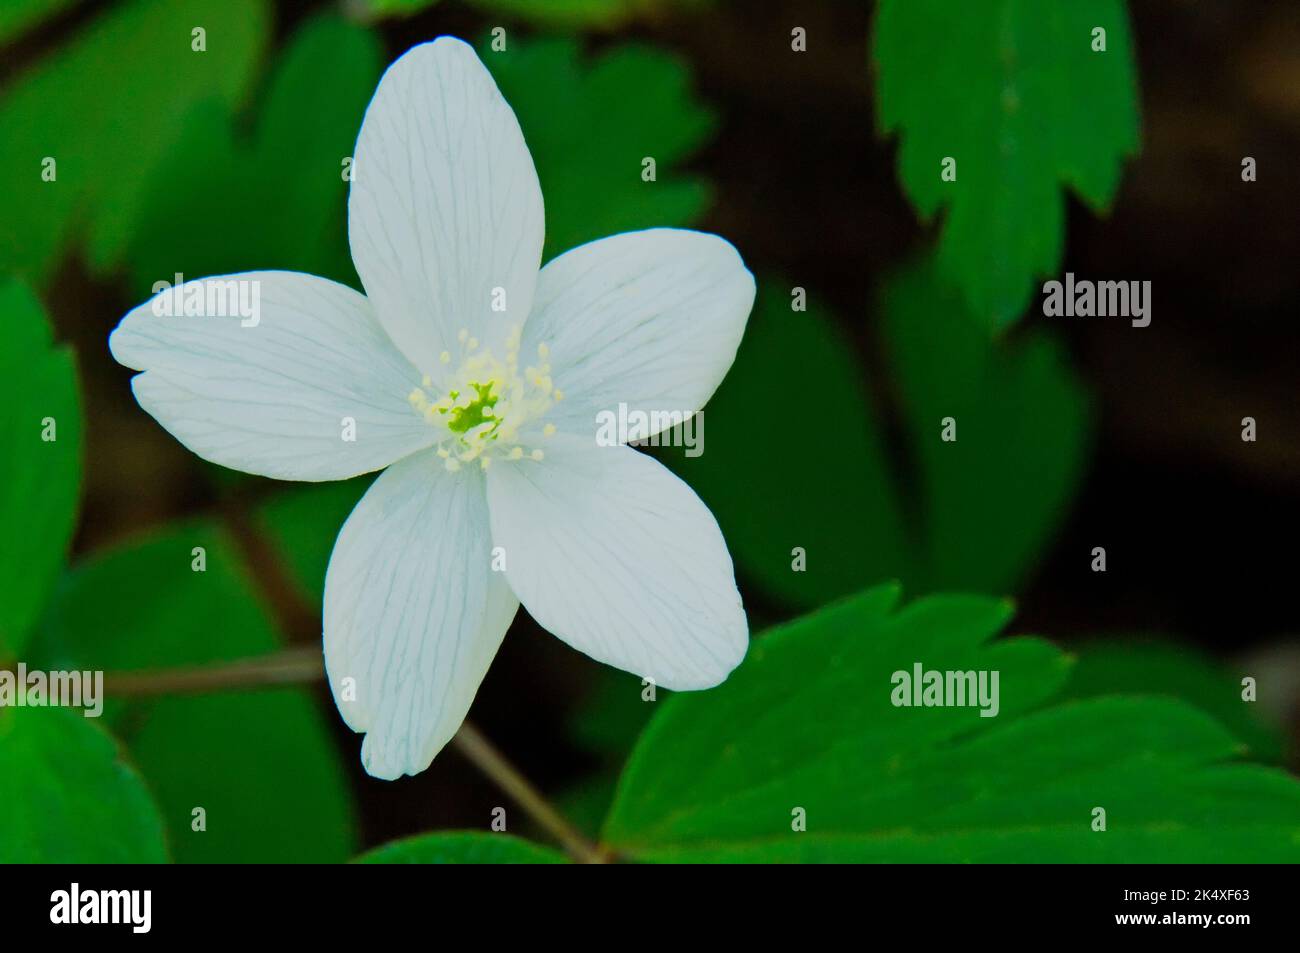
(474, 745)
(301, 665)
(287, 667)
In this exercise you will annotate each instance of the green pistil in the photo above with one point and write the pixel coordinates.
(462, 419)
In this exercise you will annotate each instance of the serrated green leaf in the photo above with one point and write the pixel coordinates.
(260, 763)
(38, 499)
(807, 722)
(103, 108)
(276, 199)
(1148, 667)
(462, 847)
(66, 795)
(589, 123)
(1013, 91)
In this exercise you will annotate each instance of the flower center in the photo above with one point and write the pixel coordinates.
(490, 408)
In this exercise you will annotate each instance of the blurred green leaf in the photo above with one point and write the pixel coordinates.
(976, 513)
(260, 763)
(462, 847)
(390, 8)
(1143, 666)
(993, 497)
(807, 722)
(38, 498)
(590, 122)
(793, 457)
(105, 108)
(558, 14)
(67, 795)
(608, 720)
(302, 523)
(275, 199)
(576, 14)
(18, 16)
(1013, 91)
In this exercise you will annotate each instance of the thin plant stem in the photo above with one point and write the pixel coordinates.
(304, 665)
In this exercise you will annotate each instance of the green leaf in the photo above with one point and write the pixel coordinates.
(815, 471)
(578, 14)
(276, 198)
(260, 763)
(611, 716)
(105, 108)
(462, 847)
(67, 797)
(18, 16)
(1143, 666)
(557, 14)
(625, 104)
(1013, 91)
(302, 524)
(392, 8)
(993, 497)
(807, 722)
(818, 475)
(38, 498)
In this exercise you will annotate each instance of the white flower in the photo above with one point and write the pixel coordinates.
(475, 378)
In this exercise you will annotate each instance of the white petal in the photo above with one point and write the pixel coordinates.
(414, 613)
(274, 397)
(619, 558)
(651, 319)
(444, 206)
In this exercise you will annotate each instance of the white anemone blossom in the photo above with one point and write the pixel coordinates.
(475, 377)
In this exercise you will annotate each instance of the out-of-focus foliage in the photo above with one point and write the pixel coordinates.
(807, 723)
(793, 417)
(274, 199)
(792, 421)
(38, 496)
(303, 523)
(556, 14)
(589, 123)
(102, 108)
(18, 16)
(462, 847)
(259, 762)
(1013, 91)
(66, 795)
(992, 497)
(1140, 666)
